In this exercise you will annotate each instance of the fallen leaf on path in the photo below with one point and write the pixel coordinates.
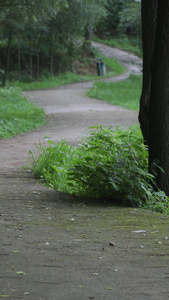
(139, 231)
(20, 273)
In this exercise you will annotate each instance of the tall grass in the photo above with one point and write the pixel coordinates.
(17, 114)
(124, 93)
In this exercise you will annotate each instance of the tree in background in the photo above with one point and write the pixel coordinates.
(91, 12)
(19, 20)
(41, 36)
(121, 17)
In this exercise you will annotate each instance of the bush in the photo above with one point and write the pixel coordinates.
(113, 164)
(109, 164)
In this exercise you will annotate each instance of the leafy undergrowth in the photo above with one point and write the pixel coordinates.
(17, 114)
(108, 164)
(125, 93)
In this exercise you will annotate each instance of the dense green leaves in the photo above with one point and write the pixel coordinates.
(109, 164)
(43, 35)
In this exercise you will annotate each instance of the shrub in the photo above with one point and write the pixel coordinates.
(113, 164)
(109, 164)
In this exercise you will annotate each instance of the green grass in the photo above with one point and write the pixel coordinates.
(17, 114)
(124, 93)
(115, 68)
(51, 82)
(123, 43)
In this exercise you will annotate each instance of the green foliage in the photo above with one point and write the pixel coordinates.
(38, 35)
(130, 18)
(124, 93)
(113, 165)
(109, 164)
(53, 163)
(121, 17)
(17, 114)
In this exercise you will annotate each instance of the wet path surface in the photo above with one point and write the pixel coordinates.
(55, 246)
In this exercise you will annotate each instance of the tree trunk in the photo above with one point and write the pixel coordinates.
(51, 53)
(38, 56)
(149, 15)
(30, 57)
(88, 38)
(19, 63)
(159, 98)
(8, 59)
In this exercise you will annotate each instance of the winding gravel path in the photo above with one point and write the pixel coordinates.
(70, 112)
(60, 247)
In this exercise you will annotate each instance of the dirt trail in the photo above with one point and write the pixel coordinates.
(54, 246)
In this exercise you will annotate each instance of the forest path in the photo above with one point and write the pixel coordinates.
(59, 247)
(70, 113)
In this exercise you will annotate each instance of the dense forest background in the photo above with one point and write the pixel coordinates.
(45, 37)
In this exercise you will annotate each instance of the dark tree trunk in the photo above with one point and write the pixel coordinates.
(51, 52)
(159, 98)
(149, 15)
(30, 58)
(88, 38)
(19, 63)
(8, 59)
(38, 55)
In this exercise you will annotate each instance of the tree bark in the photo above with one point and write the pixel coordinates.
(30, 58)
(159, 98)
(19, 63)
(149, 16)
(88, 38)
(8, 59)
(52, 49)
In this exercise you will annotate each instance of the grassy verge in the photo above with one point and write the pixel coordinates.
(17, 114)
(122, 43)
(115, 68)
(124, 93)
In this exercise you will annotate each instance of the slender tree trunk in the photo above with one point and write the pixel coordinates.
(19, 63)
(38, 55)
(149, 15)
(159, 98)
(30, 57)
(88, 38)
(7, 59)
(52, 50)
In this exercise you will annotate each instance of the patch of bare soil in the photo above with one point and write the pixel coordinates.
(55, 246)
(84, 68)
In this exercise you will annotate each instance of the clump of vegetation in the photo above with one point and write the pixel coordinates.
(109, 164)
(17, 114)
